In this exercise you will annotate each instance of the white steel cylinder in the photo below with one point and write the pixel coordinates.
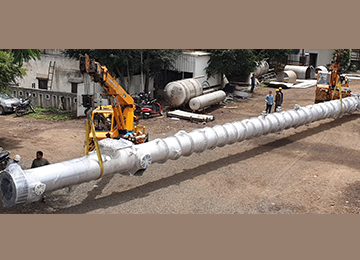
(289, 73)
(181, 91)
(206, 100)
(262, 67)
(120, 156)
(302, 72)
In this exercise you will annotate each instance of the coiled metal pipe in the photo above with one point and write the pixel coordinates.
(120, 156)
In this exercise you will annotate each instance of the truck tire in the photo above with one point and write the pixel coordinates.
(2, 111)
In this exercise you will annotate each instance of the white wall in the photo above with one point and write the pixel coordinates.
(324, 56)
(66, 71)
(201, 62)
(136, 84)
(196, 62)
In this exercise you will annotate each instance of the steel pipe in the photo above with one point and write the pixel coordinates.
(120, 156)
(206, 100)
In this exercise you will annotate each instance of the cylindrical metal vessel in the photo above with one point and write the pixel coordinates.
(206, 100)
(121, 156)
(302, 72)
(291, 76)
(181, 91)
(262, 67)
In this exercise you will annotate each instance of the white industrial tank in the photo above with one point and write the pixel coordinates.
(206, 100)
(262, 67)
(181, 91)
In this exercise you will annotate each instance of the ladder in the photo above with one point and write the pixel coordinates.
(50, 74)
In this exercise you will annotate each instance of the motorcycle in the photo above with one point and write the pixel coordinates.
(150, 109)
(145, 106)
(24, 107)
(4, 159)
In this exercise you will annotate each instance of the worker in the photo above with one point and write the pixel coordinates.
(39, 161)
(16, 160)
(253, 78)
(282, 95)
(269, 102)
(277, 100)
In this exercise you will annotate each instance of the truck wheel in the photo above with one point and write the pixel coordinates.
(2, 111)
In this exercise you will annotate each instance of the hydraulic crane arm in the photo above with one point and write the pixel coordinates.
(334, 68)
(123, 104)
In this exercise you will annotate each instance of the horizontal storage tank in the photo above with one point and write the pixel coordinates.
(302, 72)
(206, 100)
(262, 67)
(181, 91)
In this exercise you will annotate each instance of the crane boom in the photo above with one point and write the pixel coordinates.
(123, 105)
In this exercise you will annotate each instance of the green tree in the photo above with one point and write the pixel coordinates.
(239, 63)
(24, 55)
(346, 58)
(272, 54)
(128, 62)
(156, 60)
(233, 63)
(9, 71)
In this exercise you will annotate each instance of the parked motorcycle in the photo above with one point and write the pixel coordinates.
(150, 109)
(4, 159)
(24, 107)
(145, 106)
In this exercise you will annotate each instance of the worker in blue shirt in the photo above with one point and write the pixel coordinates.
(269, 102)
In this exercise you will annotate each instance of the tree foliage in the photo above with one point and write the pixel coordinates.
(24, 55)
(241, 62)
(345, 62)
(9, 71)
(231, 62)
(272, 54)
(123, 63)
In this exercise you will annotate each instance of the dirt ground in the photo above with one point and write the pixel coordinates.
(312, 169)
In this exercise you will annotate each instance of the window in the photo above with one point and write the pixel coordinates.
(74, 87)
(42, 83)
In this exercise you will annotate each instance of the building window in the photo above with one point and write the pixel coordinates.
(74, 87)
(42, 83)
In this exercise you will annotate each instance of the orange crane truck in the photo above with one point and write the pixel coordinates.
(118, 119)
(331, 85)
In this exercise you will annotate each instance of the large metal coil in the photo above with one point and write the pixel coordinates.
(120, 156)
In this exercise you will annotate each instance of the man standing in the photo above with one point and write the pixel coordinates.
(39, 161)
(282, 96)
(277, 100)
(252, 83)
(269, 102)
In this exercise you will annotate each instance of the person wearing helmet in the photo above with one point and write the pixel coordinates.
(15, 160)
(277, 100)
(282, 95)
